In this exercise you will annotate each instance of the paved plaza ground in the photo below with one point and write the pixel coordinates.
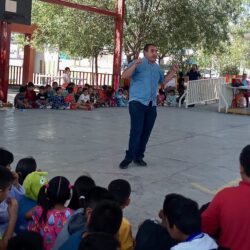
(193, 152)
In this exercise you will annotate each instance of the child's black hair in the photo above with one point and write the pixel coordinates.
(106, 218)
(99, 241)
(70, 90)
(22, 89)
(6, 157)
(183, 213)
(81, 187)
(121, 190)
(6, 177)
(41, 88)
(30, 84)
(245, 159)
(161, 91)
(58, 88)
(24, 167)
(57, 191)
(97, 194)
(26, 241)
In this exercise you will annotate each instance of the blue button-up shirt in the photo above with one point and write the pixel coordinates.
(144, 83)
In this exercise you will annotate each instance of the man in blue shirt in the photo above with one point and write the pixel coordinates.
(145, 75)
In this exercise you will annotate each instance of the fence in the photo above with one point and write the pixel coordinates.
(80, 78)
(202, 91)
(226, 98)
(16, 75)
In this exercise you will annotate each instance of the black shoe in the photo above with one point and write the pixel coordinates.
(124, 164)
(140, 163)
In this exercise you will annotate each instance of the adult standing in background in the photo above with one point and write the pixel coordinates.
(194, 74)
(145, 75)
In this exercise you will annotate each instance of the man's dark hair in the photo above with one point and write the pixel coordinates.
(24, 167)
(99, 241)
(121, 190)
(6, 177)
(146, 47)
(97, 194)
(106, 218)
(26, 241)
(245, 159)
(183, 213)
(6, 157)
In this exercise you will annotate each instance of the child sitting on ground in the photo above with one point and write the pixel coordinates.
(42, 98)
(99, 241)
(31, 94)
(58, 100)
(49, 92)
(6, 159)
(50, 215)
(24, 167)
(78, 93)
(32, 185)
(84, 101)
(183, 221)
(70, 98)
(171, 98)
(153, 234)
(20, 101)
(121, 99)
(106, 217)
(121, 191)
(8, 207)
(161, 97)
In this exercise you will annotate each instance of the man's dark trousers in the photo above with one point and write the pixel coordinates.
(142, 122)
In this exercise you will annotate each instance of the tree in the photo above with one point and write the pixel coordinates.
(174, 25)
(74, 32)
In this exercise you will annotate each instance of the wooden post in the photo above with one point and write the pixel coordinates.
(4, 57)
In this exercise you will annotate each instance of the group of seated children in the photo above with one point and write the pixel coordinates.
(34, 214)
(242, 96)
(172, 94)
(72, 97)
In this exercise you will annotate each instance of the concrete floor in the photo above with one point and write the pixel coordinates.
(193, 152)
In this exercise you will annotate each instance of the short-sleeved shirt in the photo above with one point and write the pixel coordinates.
(144, 82)
(51, 227)
(69, 98)
(193, 75)
(42, 97)
(83, 98)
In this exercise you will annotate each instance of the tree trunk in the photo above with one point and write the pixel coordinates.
(96, 70)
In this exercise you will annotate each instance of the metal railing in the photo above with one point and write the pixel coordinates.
(202, 91)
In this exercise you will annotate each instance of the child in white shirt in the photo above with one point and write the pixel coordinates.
(183, 222)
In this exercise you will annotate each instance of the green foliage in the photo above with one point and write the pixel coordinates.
(173, 24)
(231, 70)
(74, 32)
